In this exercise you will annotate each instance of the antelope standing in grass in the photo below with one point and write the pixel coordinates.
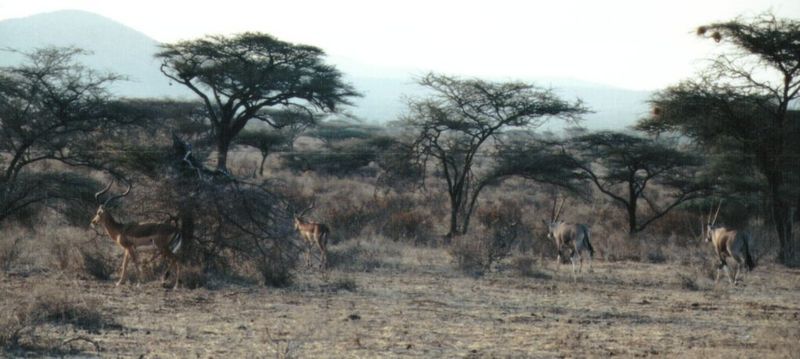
(572, 237)
(729, 243)
(314, 235)
(130, 236)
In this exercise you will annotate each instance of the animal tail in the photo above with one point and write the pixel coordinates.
(324, 235)
(748, 258)
(589, 243)
(175, 243)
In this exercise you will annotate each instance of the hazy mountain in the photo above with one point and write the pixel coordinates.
(123, 50)
(115, 48)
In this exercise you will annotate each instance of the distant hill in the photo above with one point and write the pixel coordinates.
(123, 50)
(116, 48)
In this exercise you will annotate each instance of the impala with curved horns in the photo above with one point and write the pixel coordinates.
(569, 236)
(729, 243)
(164, 237)
(314, 235)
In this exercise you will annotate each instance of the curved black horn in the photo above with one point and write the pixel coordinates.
(98, 194)
(119, 195)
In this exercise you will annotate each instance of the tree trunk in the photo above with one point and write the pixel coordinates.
(631, 208)
(631, 219)
(261, 168)
(453, 222)
(782, 214)
(789, 246)
(223, 145)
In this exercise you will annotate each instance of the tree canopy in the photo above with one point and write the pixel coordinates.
(624, 167)
(238, 78)
(460, 116)
(51, 109)
(742, 102)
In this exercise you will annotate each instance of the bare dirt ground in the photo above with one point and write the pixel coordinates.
(419, 306)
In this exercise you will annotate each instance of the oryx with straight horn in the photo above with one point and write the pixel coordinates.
(729, 243)
(569, 237)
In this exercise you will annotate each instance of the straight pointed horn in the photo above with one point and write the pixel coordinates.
(118, 196)
(708, 217)
(558, 213)
(98, 194)
(714, 221)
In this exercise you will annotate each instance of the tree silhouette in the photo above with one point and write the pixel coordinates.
(238, 78)
(453, 124)
(51, 109)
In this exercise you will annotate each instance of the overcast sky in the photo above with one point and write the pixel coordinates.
(635, 44)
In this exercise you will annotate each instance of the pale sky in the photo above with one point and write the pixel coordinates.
(634, 44)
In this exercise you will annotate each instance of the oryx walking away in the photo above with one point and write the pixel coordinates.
(729, 243)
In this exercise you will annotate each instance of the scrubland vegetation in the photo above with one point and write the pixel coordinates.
(438, 243)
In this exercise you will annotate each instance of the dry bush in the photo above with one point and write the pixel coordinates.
(12, 328)
(345, 283)
(401, 217)
(688, 281)
(352, 208)
(503, 220)
(65, 256)
(411, 227)
(81, 259)
(470, 254)
(362, 256)
(343, 205)
(350, 255)
(679, 226)
(652, 250)
(618, 246)
(54, 306)
(10, 251)
(193, 277)
(526, 266)
(97, 264)
(275, 270)
(346, 218)
(493, 239)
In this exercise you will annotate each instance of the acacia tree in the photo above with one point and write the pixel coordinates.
(238, 78)
(623, 166)
(453, 124)
(51, 109)
(743, 101)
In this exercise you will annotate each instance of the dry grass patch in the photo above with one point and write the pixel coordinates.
(19, 322)
(526, 266)
(10, 251)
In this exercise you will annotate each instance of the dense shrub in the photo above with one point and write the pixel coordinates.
(409, 226)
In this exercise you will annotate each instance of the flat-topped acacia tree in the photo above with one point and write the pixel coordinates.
(239, 78)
